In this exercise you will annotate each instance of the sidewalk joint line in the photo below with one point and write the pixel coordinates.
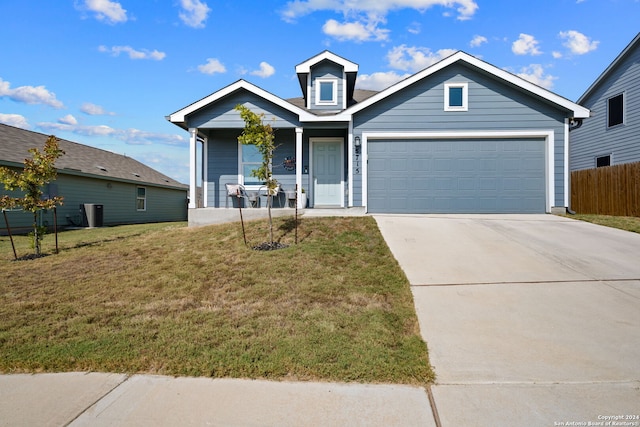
(434, 409)
(532, 282)
(91, 405)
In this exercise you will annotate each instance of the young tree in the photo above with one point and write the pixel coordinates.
(262, 136)
(38, 171)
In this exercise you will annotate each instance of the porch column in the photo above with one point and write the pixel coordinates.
(193, 185)
(299, 166)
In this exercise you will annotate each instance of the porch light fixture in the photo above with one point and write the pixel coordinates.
(358, 144)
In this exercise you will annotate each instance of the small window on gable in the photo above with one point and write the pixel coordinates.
(602, 161)
(141, 199)
(615, 110)
(326, 92)
(456, 97)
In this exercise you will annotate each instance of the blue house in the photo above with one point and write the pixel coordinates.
(99, 187)
(461, 136)
(610, 136)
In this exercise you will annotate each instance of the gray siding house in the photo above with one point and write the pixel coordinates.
(612, 135)
(461, 136)
(128, 191)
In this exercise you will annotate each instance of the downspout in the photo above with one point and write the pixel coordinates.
(573, 125)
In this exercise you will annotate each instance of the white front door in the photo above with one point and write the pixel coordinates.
(327, 172)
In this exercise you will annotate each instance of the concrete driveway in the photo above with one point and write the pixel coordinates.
(529, 319)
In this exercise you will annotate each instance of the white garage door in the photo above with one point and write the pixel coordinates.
(456, 176)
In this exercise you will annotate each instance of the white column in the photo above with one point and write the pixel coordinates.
(299, 166)
(193, 165)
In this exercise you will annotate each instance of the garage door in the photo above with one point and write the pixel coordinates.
(456, 176)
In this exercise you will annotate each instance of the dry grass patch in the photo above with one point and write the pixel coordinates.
(172, 300)
(628, 223)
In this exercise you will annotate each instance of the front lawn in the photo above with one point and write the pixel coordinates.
(628, 223)
(166, 299)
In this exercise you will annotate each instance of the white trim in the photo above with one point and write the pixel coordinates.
(334, 90)
(299, 160)
(350, 148)
(341, 164)
(144, 199)
(305, 67)
(205, 172)
(567, 173)
(180, 115)
(193, 165)
(465, 96)
(548, 136)
(577, 110)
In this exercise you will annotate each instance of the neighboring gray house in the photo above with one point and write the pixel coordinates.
(612, 135)
(461, 136)
(128, 191)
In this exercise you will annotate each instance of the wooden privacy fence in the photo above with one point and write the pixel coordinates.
(611, 190)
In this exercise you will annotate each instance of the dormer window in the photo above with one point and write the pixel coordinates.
(327, 92)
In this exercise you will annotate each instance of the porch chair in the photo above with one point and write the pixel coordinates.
(238, 191)
(275, 194)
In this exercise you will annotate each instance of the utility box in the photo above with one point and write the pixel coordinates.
(92, 215)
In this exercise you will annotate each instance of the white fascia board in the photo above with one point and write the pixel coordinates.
(180, 115)
(577, 110)
(305, 67)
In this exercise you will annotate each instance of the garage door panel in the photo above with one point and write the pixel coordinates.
(456, 176)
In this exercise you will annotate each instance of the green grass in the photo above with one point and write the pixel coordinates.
(628, 223)
(163, 298)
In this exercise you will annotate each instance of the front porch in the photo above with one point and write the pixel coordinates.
(210, 216)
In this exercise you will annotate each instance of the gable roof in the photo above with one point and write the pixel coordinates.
(635, 43)
(80, 159)
(577, 110)
(305, 67)
(179, 117)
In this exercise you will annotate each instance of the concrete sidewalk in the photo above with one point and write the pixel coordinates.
(94, 399)
(530, 319)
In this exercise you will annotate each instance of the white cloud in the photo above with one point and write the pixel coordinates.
(556, 54)
(194, 13)
(105, 10)
(478, 41)
(578, 43)
(94, 110)
(379, 81)
(68, 120)
(526, 45)
(266, 70)
(212, 66)
(415, 58)
(378, 8)
(130, 136)
(133, 53)
(29, 94)
(415, 28)
(535, 74)
(14, 120)
(357, 31)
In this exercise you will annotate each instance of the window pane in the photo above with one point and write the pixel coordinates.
(141, 192)
(326, 91)
(250, 153)
(140, 204)
(603, 161)
(246, 172)
(616, 110)
(455, 97)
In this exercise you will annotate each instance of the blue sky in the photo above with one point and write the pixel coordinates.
(106, 72)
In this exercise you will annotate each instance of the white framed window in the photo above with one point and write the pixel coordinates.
(250, 159)
(456, 96)
(326, 91)
(602, 161)
(615, 110)
(141, 199)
